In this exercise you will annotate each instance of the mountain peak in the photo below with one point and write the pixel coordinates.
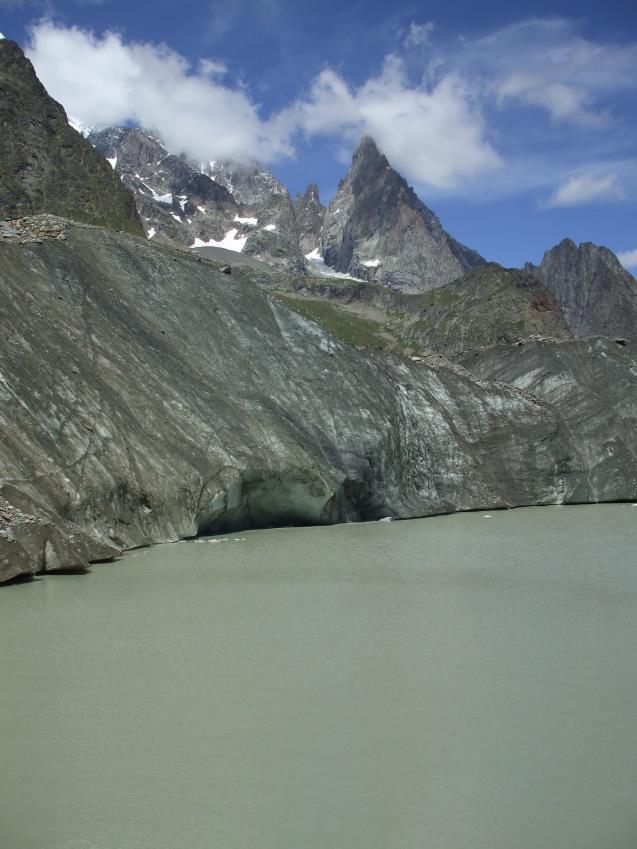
(366, 147)
(312, 193)
(597, 295)
(377, 228)
(309, 213)
(47, 165)
(367, 159)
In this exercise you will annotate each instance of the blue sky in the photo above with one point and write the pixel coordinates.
(517, 125)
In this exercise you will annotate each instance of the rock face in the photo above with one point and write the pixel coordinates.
(596, 294)
(241, 208)
(486, 306)
(46, 165)
(147, 397)
(592, 385)
(376, 228)
(310, 213)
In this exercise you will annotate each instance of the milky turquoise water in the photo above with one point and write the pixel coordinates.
(452, 683)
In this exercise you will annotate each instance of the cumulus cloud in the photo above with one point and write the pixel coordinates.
(438, 114)
(212, 68)
(432, 134)
(419, 34)
(587, 188)
(628, 258)
(155, 87)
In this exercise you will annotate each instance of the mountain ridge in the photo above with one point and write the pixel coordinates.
(46, 165)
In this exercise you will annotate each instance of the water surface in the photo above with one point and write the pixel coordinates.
(460, 682)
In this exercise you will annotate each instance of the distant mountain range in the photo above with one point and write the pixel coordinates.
(375, 229)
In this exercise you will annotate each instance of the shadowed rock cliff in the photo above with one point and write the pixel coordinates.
(592, 384)
(46, 165)
(597, 295)
(488, 305)
(310, 213)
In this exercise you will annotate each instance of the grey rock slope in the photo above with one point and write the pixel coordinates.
(488, 305)
(310, 213)
(146, 397)
(245, 208)
(45, 165)
(596, 294)
(376, 228)
(592, 384)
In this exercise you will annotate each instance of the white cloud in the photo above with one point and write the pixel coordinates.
(545, 63)
(432, 134)
(628, 258)
(442, 116)
(587, 188)
(155, 87)
(212, 68)
(419, 34)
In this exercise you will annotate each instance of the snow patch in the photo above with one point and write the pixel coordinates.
(151, 233)
(201, 209)
(317, 264)
(167, 199)
(112, 162)
(229, 242)
(371, 263)
(251, 221)
(176, 217)
(2, 38)
(270, 227)
(183, 200)
(82, 129)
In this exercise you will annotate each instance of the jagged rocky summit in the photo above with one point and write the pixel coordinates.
(376, 228)
(310, 213)
(236, 207)
(46, 165)
(596, 294)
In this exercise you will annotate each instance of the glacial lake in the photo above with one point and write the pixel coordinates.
(460, 682)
